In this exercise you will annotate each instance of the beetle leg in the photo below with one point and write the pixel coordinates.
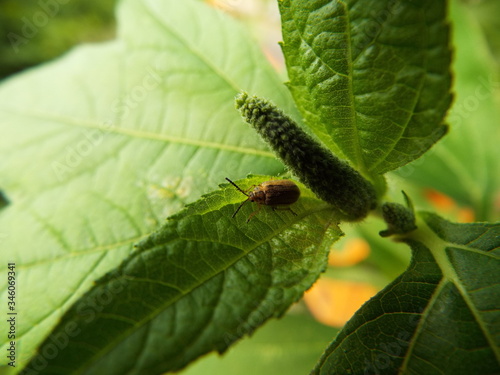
(283, 209)
(242, 203)
(254, 213)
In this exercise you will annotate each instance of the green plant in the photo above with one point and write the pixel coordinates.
(38, 30)
(103, 144)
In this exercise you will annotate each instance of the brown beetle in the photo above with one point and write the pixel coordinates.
(274, 193)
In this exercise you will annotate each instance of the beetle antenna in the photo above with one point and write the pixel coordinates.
(237, 187)
(241, 205)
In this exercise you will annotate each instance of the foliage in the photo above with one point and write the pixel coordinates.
(135, 128)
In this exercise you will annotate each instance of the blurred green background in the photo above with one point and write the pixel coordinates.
(34, 31)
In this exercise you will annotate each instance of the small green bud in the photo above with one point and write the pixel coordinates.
(330, 178)
(399, 219)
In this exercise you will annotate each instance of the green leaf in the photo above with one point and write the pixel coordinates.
(198, 284)
(439, 317)
(371, 78)
(100, 146)
(466, 164)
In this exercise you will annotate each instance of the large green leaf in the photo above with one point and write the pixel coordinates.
(371, 78)
(99, 147)
(441, 316)
(196, 285)
(466, 164)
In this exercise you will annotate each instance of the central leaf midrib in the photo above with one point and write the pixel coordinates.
(136, 134)
(355, 136)
(437, 247)
(356, 145)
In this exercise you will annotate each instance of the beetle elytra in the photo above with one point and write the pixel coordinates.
(274, 193)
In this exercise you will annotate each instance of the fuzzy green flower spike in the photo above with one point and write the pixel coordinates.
(330, 178)
(399, 219)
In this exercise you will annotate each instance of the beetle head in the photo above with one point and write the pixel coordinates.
(257, 195)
